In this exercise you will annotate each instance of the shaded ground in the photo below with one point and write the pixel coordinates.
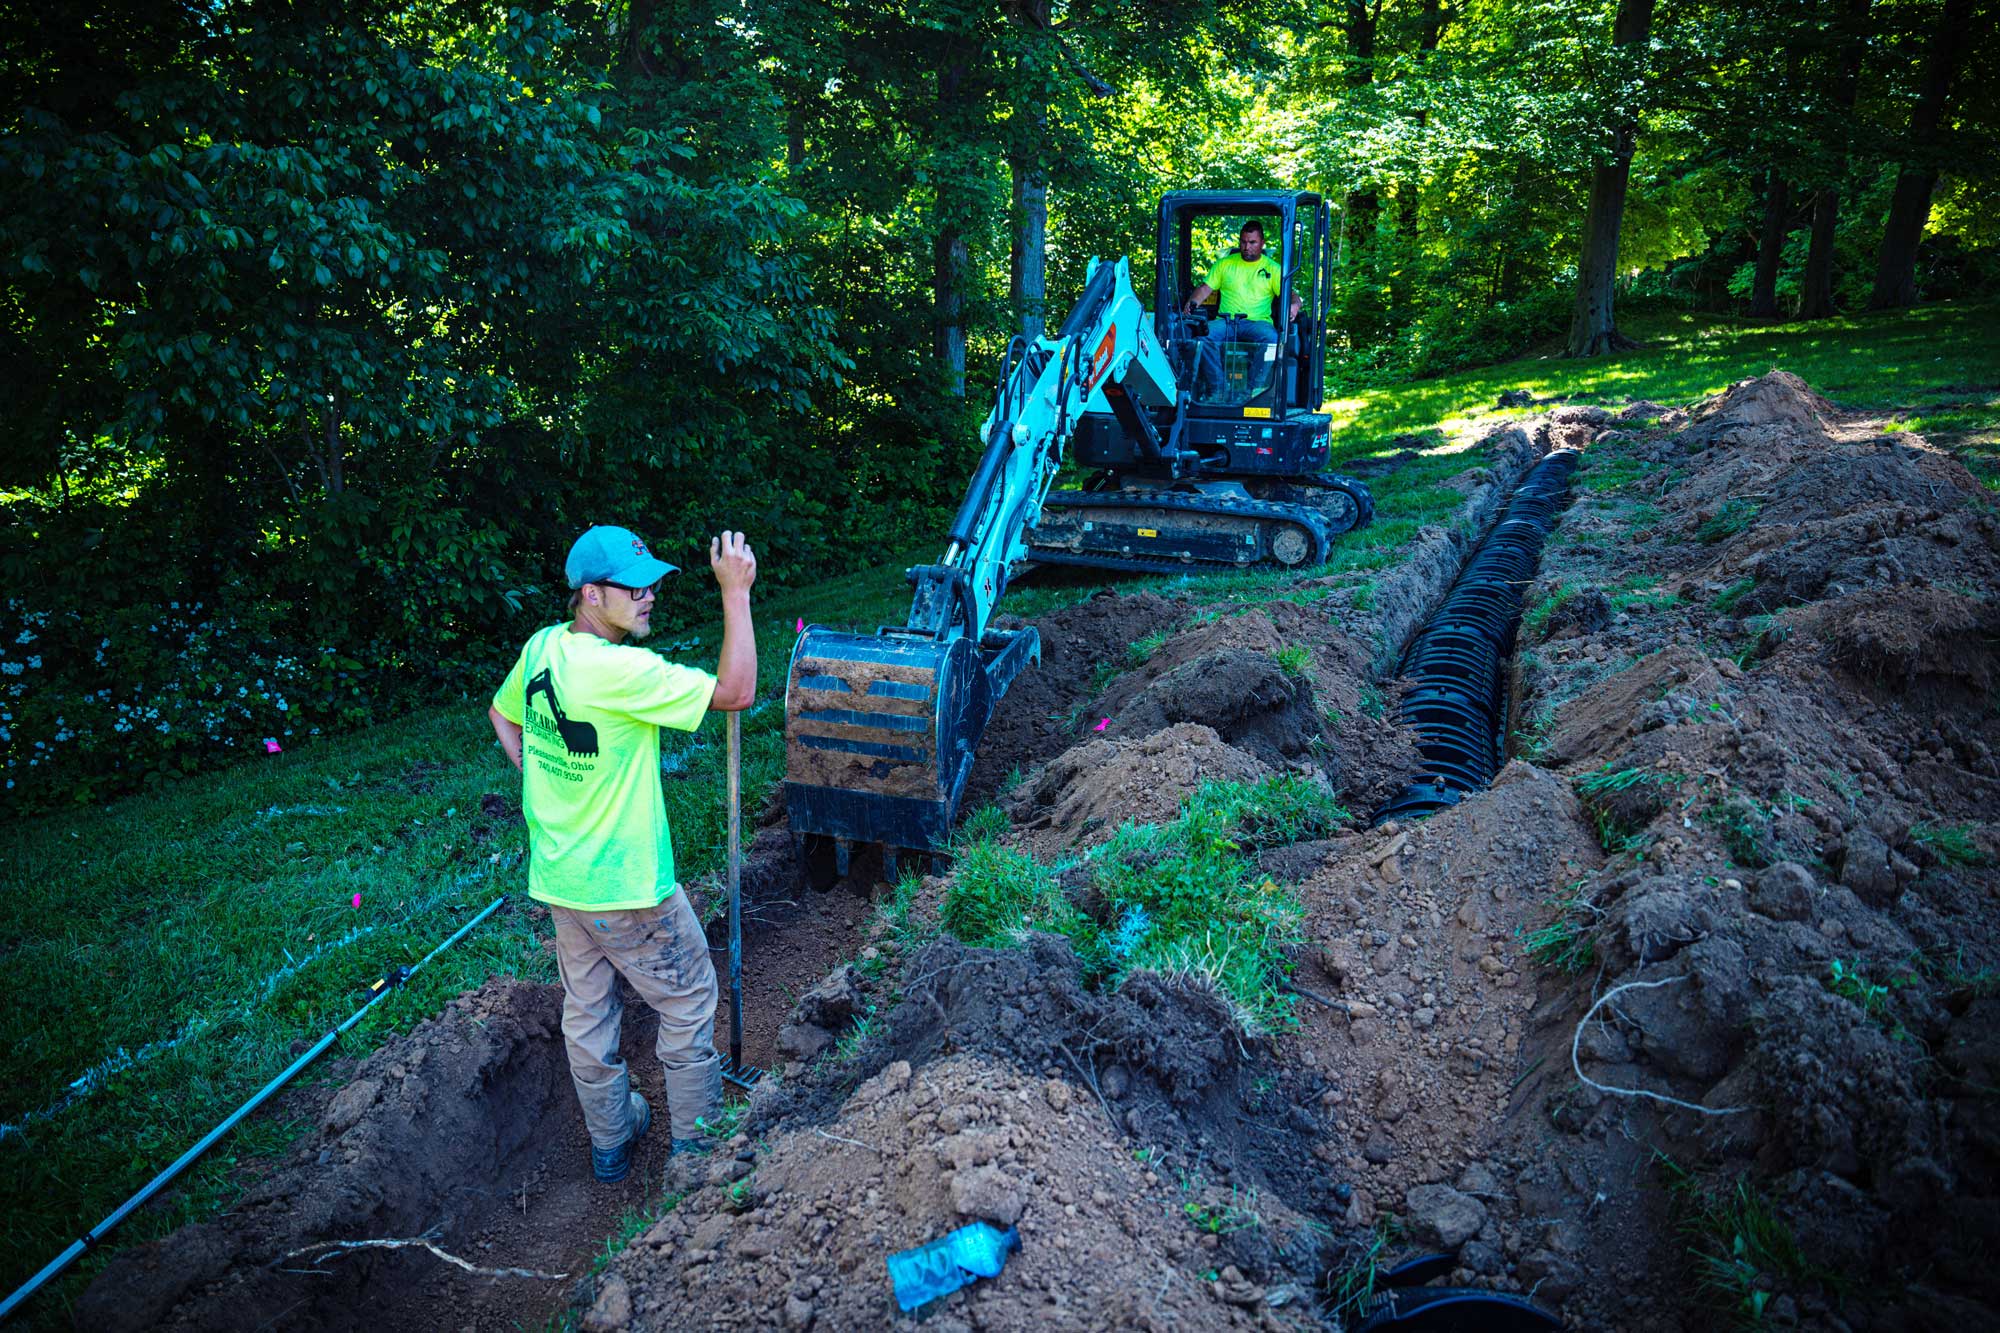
(1755, 773)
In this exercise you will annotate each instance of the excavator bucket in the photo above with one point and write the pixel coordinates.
(881, 730)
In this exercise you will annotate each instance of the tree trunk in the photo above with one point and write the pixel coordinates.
(1816, 287)
(949, 255)
(948, 252)
(1771, 245)
(1028, 283)
(1594, 330)
(1028, 217)
(1431, 33)
(1910, 206)
(1364, 207)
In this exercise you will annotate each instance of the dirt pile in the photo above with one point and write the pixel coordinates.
(1784, 731)
(1001, 1089)
(464, 1133)
(1088, 790)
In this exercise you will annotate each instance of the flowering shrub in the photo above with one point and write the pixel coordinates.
(94, 701)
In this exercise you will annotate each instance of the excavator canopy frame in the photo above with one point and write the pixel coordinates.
(1302, 248)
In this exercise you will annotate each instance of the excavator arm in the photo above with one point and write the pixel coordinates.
(881, 730)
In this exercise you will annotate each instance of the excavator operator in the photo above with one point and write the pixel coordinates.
(1249, 281)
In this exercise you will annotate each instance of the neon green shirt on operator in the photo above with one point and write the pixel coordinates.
(590, 713)
(1246, 288)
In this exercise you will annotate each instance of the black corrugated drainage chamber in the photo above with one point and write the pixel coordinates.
(1456, 703)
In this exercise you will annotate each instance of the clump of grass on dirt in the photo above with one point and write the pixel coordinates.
(1294, 659)
(1141, 651)
(1951, 844)
(1744, 1254)
(1564, 943)
(1537, 617)
(1726, 522)
(1183, 899)
(1726, 600)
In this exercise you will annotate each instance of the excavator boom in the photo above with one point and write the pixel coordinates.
(881, 729)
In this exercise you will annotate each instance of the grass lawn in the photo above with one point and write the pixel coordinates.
(1941, 363)
(169, 952)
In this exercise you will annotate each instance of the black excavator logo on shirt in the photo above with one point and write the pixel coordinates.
(579, 738)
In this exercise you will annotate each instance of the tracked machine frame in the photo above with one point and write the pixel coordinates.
(1201, 453)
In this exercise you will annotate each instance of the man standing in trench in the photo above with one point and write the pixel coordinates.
(584, 707)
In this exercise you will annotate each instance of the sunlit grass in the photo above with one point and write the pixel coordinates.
(1937, 354)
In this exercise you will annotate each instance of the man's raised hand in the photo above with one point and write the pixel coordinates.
(734, 563)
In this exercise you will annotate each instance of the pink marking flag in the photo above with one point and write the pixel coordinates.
(272, 747)
(1102, 723)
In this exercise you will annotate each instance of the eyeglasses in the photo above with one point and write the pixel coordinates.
(636, 594)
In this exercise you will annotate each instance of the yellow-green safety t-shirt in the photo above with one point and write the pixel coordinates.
(1247, 288)
(590, 713)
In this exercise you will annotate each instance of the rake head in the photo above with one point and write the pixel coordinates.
(742, 1075)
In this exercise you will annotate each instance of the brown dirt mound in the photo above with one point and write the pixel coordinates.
(1795, 761)
(1751, 412)
(465, 1131)
(1039, 716)
(1001, 1089)
(1089, 790)
(801, 1238)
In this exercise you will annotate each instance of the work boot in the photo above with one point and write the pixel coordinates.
(611, 1165)
(687, 1169)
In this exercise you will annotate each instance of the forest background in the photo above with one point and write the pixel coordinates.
(328, 326)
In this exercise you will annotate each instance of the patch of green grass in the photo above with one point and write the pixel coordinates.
(994, 892)
(1564, 942)
(1221, 1219)
(1951, 844)
(1726, 600)
(1610, 470)
(1609, 779)
(1726, 522)
(1536, 619)
(851, 1041)
(1364, 596)
(1141, 652)
(1295, 659)
(1745, 825)
(1908, 359)
(985, 824)
(1185, 899)
(1353, 1288)
(1371, 701)
(1744, 1254)
(1849, 982)
(1277, 811)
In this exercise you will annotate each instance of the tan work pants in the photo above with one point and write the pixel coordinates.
(664, 954)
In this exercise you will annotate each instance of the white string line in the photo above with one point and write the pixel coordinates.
(1576, 1064)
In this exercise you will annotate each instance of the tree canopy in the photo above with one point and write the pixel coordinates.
(337, 321)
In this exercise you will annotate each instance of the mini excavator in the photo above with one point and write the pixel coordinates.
(1204, 452)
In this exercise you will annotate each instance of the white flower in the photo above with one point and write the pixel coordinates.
(35, 662)
(27, 636)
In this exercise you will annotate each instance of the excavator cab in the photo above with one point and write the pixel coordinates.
(1268, 360)
(1249, 390)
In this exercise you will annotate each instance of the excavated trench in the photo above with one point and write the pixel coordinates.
(1457, 705)
(487, 1080)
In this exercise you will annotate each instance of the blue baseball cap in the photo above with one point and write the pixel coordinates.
(614, 555)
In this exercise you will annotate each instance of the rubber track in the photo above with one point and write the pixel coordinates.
(1300, 516)
(1364, 499)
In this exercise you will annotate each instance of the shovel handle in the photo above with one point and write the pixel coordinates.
(735, 890)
